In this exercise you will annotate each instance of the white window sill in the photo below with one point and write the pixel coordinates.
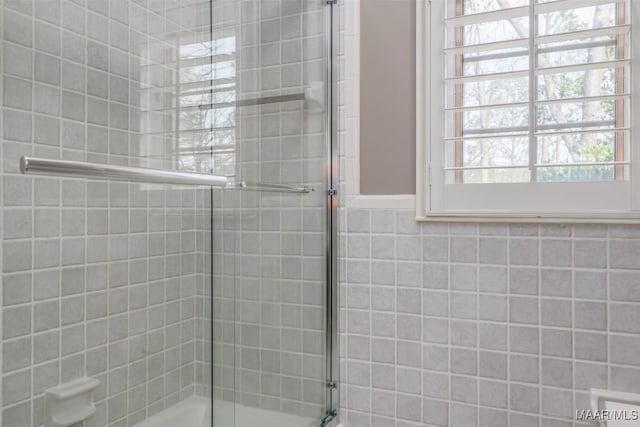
(532, 218)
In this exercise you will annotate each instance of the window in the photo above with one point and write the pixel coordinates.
(525, 108)
(206, 105)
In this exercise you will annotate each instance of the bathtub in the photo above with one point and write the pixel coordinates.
(196, 412)
(192, 412)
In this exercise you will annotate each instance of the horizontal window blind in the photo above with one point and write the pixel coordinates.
(536, 91)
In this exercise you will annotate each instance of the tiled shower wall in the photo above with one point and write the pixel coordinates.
(98, 278)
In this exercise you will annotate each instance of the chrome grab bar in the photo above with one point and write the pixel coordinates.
(74, 169)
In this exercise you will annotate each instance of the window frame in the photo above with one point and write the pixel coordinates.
(505, 202)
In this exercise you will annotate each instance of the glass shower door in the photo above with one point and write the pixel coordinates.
(269, 230)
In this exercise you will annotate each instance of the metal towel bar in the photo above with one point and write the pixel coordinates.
(256, 101)
(275, 188)
(39, 166)
(74, 169)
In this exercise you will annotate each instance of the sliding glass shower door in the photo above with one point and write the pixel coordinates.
(271, 238)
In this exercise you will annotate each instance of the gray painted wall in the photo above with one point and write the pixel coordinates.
(387, 97)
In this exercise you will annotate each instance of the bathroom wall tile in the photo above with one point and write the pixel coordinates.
(588, 253)
(556, 252)
(524, 398)
(493, 279)
(623, 348)
(463, 306)
(408, 301)
(590, 375)
(408, 247)
(16, 93)
(523, 339)
(382, 221)
(18, 60)
(493, 336)
(556, 342)
(622, 286)
(17, 28)
(435, 330)
(359, 221)
(555, 372)
(409, 407)
(435, 412)
(523, 310)
(492, 365)
(73, 76)
(409, 327)
(625, 379)
(435, 303)
(435, 248)
(492, 251)
(408, 380)
(435, 385)
(73, 106)
(463, 361)
(409, 353)
(523, 251)
(555, 312)
(590, 315)
(464, 389)
(463, 277)
(624, 253)
(589, 346)
(464, 333)
(47, 70)
(16, 289)
(592, 285)
(493, 393)
(464, 249)
(492, 417)
(16, 354)
(557, 403)
(409, 274)
(523, 281)
(16, 387)
(463, 415)
(524, 369)
(17, 224)
(435, 276)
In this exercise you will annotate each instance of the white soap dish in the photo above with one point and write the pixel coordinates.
(69, 403)
(615, 408)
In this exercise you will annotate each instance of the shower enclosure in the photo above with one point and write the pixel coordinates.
(169, 210)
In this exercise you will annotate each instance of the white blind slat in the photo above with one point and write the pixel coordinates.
(583, 67)
(562, 5)
(495, 15)
(610, 31)
(613, 30)
(537, 134)
(490, 76)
